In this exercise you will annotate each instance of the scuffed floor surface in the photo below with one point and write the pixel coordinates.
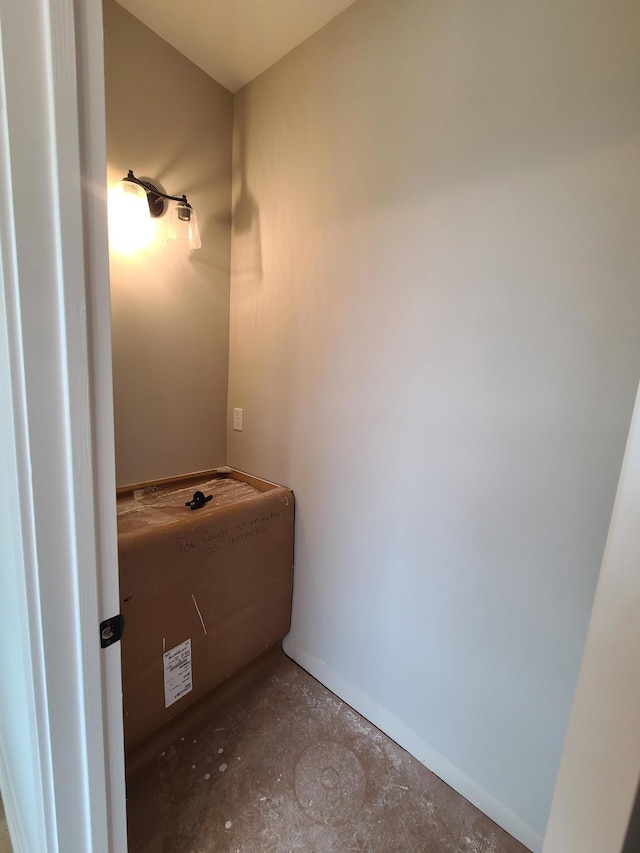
(275, 762)
(5, 841)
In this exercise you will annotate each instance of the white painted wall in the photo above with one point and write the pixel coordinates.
(434, 340)
(600, 770)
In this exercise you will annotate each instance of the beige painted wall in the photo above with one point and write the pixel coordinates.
(170, 122)
(434, 338)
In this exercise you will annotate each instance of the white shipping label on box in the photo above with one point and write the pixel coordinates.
(177, 673)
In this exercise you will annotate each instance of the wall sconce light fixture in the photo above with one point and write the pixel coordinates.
(137, 201)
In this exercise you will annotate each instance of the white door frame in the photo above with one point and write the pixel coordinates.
(58, 449)
(600, 769)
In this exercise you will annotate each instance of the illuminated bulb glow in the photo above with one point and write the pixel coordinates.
(130, 225)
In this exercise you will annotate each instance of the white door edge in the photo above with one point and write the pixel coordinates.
(61, 412)
(91, 101)
(599, 773)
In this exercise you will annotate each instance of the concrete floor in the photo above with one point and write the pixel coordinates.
(5, 841)
(273, 761)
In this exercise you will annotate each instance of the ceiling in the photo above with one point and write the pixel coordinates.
(234, 40)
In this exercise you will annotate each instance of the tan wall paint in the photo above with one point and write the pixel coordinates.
(168, 121)
(434, 338)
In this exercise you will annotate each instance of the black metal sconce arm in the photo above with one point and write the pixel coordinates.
(156, 197)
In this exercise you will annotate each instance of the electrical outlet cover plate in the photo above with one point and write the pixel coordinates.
(237, 420)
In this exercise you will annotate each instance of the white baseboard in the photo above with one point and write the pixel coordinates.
(413, 743)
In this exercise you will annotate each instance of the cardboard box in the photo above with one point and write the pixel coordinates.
(203, 591)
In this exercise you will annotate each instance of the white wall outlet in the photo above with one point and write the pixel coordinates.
(237, 419)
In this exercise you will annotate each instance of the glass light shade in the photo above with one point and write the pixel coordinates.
(130, 225)
(183, 227)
